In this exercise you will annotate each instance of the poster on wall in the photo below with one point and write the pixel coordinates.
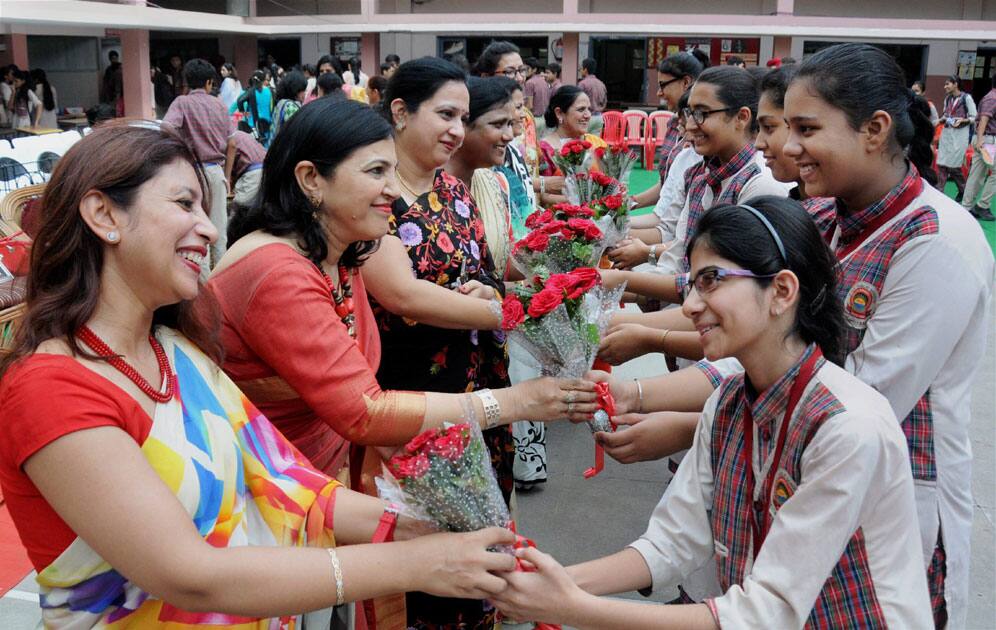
(966, 64)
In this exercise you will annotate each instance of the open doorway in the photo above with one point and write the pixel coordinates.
(985, 65)
(620, 64)
(286, 52)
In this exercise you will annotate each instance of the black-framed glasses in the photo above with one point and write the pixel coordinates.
(706, 280)
(664, 84)
(700, 115)
(511, 72)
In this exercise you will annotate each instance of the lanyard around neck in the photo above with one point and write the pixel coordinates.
(760, 530)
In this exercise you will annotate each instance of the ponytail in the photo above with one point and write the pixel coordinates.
(921, 150)
(738, 235)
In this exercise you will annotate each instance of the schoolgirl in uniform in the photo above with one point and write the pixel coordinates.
(915, 277)
(798, 481)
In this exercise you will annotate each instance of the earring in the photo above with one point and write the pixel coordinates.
(400, 126)
(560, 121)
(112, 237)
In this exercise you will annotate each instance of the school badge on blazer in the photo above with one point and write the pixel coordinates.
(782, 490)
(859, 305)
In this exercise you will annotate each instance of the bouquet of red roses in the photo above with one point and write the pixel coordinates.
(558, 212)
(617, 161)
(573, 157)
(604, 196)
(444, 475)
(557, 245)
(559, 320)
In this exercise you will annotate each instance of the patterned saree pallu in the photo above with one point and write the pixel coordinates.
(240, 480)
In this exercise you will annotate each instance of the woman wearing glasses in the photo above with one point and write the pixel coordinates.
(798, 482)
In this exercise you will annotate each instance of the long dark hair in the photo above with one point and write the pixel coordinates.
(487, 63)
(860, 79)
(325, 132)
(21, 95)
(736, 234)
(293, 83)
(48, 98)
(417, 81)
(562, 99)
(67, 257)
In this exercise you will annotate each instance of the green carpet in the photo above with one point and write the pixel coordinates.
(640, 180)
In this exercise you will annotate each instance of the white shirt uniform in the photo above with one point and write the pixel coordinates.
(925, 332)
(855, 479)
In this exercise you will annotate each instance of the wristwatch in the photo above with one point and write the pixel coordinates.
(652, 256)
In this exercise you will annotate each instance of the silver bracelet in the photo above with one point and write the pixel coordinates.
(337, 574)
(639, 395)
(492, 410)
(470, 414)
(542, 186)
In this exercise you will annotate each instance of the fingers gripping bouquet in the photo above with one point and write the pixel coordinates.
(558, 245)
(559, 320)
(444, 476)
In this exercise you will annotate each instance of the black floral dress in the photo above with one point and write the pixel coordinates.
(444, 236)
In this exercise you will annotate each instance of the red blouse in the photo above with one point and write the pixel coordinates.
(278, 321)
(75, 398)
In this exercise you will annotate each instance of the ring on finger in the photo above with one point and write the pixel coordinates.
(570, 407)
(571, 397)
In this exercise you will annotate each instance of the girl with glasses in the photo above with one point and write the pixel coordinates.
(797, 484)
(915, 277)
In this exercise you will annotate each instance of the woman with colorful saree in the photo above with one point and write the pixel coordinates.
(146, 488)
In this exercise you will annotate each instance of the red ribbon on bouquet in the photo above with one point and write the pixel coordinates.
(608, 404)
(521, 542)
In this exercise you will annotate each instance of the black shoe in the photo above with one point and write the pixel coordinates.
(959, 197)
(983, 214)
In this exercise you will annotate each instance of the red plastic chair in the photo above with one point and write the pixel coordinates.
(636, 128)
(612, 126)
(656, 129)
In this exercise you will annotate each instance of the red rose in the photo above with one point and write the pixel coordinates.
(592, 233)
(545, 301)
(512, 313)
(565, 150)
(582, 280)
(553, 227)
(612, 202)
(448, 446)
(537, 240)
(600, 152)
(538, 218)
(602, 179)
(585, 228)
(444, 242)
(585, 144)
(420, 440)
(558, 281)
(407, 468)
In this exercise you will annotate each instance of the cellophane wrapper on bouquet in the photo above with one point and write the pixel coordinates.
(444, 476)
(559, 320)
(605, 196)
(556, 246)
(617, 161)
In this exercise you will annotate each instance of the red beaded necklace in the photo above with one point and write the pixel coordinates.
(342, 298)
(102, 350)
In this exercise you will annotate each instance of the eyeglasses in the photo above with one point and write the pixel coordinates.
(709, 278)
(664, 84)
(511, 72)
(699, 115)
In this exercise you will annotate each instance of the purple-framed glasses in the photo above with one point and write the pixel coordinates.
(706, 280)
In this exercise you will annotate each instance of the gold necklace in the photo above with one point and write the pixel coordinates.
(407, 186)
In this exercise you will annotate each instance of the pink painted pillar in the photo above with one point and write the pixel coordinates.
(370, 54)
(782, 46)
(18, 43)
(569, 64)
(246, 57)
(136, 78)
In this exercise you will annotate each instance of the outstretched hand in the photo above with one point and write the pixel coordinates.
(648, 437)
(544, 593)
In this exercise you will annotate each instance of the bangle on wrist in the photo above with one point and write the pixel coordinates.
(337, 576)
(492, 409)
(542, 186)
(667, 331)
(639, 395)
